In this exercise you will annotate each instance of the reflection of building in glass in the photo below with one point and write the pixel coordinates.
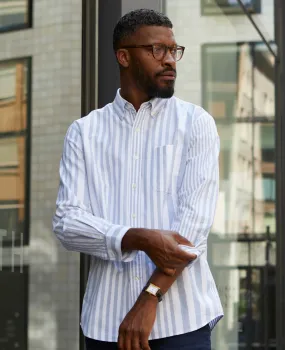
(13, 140)
(228, 71)
(210, 7)
(253, 113)
(245, 117)
(14, 14)
(243, 105)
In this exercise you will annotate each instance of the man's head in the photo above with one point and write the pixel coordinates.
(147, 52)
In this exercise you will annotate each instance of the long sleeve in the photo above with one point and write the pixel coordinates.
(76, 226)
(200, 185)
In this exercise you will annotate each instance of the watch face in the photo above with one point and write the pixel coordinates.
(152, 289)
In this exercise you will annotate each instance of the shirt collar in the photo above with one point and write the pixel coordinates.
(121, 105)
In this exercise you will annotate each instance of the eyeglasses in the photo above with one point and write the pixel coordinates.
(159, 51)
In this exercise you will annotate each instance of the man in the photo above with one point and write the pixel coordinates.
(138, 190)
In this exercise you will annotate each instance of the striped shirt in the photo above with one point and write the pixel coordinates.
(156, 168)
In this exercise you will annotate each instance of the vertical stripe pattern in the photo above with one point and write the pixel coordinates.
(156, 168)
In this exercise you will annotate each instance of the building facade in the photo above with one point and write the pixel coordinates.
(57, 64)
(40, 95)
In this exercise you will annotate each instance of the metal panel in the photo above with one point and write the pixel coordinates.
(14, 307)
(88, 103)
(280, 171)
(108, 73)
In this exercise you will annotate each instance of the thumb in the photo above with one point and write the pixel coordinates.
(182, 240)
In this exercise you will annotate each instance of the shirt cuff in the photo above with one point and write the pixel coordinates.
(114, 238)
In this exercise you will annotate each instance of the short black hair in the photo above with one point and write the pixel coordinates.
(133, 20)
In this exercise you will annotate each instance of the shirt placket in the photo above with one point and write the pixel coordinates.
(136, 164)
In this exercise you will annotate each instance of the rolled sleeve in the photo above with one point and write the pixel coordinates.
(114, 238)
(198, 194)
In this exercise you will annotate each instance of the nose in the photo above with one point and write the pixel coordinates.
(169, 60)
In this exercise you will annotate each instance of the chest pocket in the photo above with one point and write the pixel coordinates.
(163, 161)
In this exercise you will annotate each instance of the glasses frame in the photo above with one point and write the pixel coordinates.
(166, 48)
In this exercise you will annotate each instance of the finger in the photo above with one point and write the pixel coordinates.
(136, 342)
(144, 341)
(185, 255)
(191, 256)
(128, 341)
(121, 341)
(182, 240)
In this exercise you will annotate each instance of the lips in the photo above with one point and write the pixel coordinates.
(168, 75)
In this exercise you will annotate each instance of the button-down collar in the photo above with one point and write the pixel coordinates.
(121, 105)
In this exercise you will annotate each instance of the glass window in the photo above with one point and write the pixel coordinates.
(238, 90)
(210, 7)
(44, 108)
(14, 102)
(228, 71)
(15, 14)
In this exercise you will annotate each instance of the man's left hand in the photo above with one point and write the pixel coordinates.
(135, 329)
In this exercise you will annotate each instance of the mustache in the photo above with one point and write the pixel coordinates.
(167, 70)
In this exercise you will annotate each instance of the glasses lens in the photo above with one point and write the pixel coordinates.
(158, 51)
(179, 53)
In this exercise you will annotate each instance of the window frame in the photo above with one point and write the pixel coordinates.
(26, 229)
(21, 26)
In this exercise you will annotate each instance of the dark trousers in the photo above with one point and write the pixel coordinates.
(197, 340)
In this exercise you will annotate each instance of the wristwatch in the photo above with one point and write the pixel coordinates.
(153, 290)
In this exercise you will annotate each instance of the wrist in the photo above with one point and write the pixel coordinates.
(148, 298)
(136, 239)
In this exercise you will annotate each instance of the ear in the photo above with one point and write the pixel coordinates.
(123, 57)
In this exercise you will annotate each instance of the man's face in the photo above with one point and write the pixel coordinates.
(154, 77)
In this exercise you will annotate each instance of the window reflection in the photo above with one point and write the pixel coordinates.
(14, 14)
(13, 137)
(239, 93)
(210, 7)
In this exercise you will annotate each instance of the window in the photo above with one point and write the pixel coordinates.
(213, 7)
(269, 188)
(15, 14)
(14, 150)
(238, 90)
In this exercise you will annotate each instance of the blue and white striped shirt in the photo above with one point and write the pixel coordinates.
(156, 168)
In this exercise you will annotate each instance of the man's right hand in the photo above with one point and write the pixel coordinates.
(161, 247)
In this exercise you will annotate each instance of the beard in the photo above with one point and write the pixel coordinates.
(149, 85)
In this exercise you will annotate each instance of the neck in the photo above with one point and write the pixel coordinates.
(130, 92)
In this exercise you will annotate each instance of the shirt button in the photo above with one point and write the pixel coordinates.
(138, 129)
(137, 278)
(134, 186)
(136, 157)
(134, 216)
